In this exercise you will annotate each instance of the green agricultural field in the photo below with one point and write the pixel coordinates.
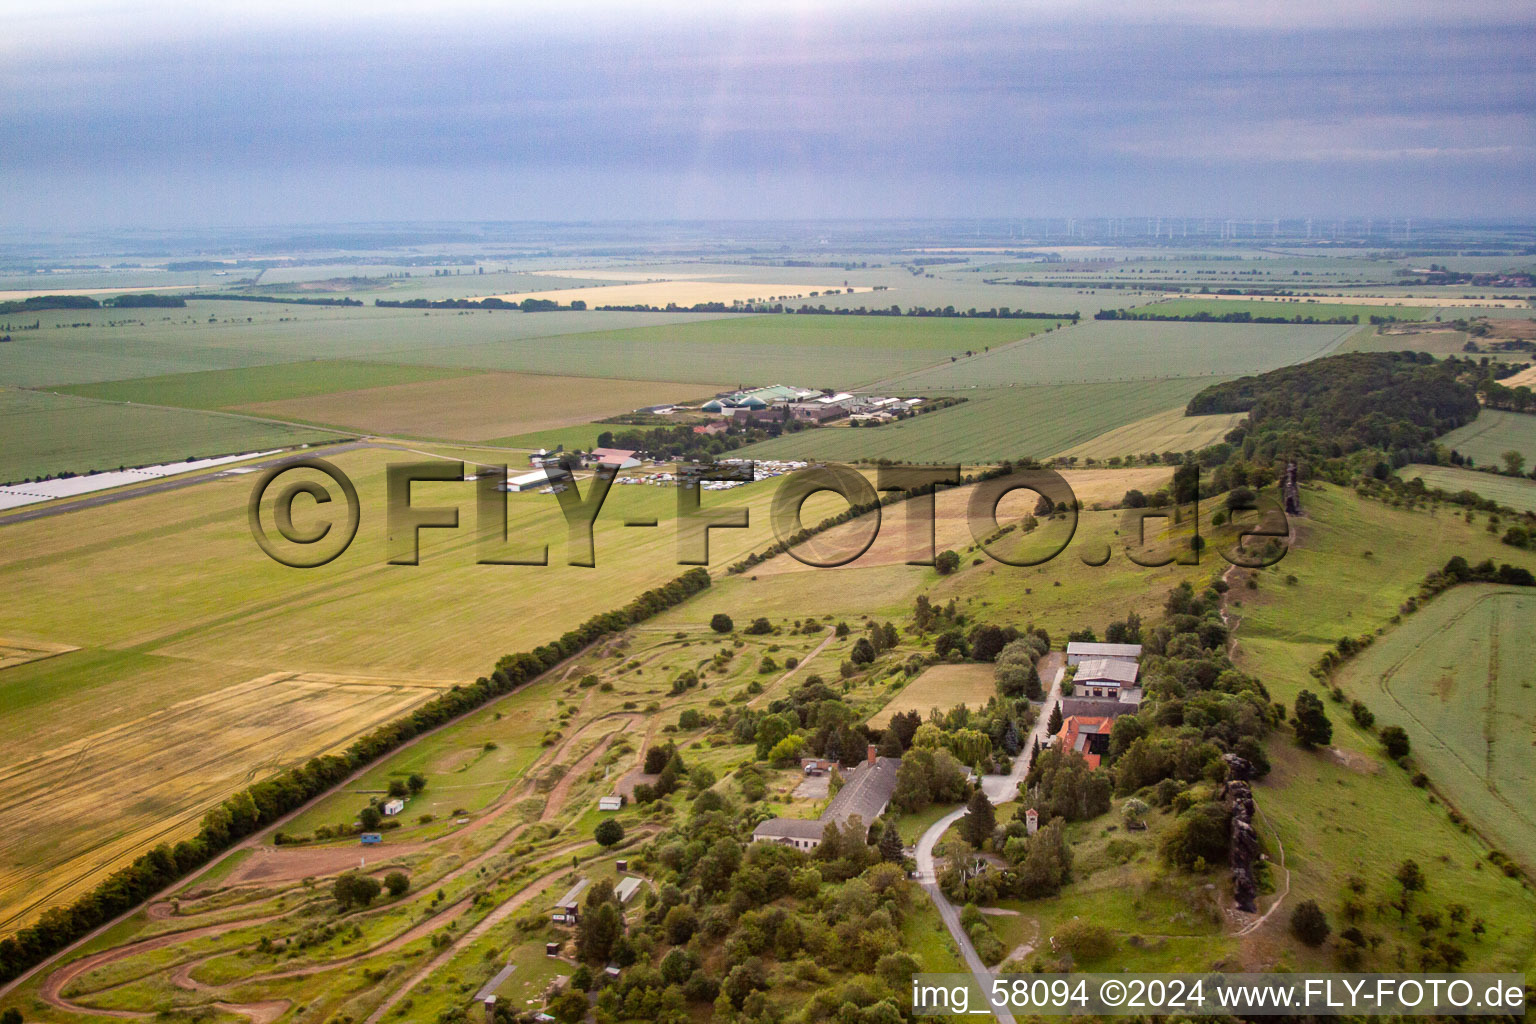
(113, 345)
(995, 423)
(1460, 676)
(1517, 493)
(47, 434)
(816, 351)
(1166, 431)
(1494, 432)
(1118, 350)
(220, 389)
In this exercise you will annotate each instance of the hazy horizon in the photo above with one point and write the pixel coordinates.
(295, 114)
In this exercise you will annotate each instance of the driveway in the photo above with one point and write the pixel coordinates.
(1002, 788)
(929, 879)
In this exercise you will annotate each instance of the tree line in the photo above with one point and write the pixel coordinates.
(1235, 317)
(526, 305)
(995, 313)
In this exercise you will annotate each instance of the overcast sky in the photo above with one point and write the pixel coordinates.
(118, 113)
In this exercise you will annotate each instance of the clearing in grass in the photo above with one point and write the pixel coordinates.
(941, 687)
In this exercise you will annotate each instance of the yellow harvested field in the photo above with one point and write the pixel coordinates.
(19, 652)
(893, 545)
(1362, 300)
(481, 406)
(942, 687)
(75, 811)
(1169, 431)
(1524, 379)
(683, 293)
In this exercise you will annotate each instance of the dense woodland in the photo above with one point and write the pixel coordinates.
(1324, 410)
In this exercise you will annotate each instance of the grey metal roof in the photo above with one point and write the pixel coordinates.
(1107, 670)
(575, 893)
(789, 828)
(866, 792)
(489, 988)
(1087, 650)
(1101, 706)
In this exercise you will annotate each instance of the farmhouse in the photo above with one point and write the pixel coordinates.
(713, 427)
(1078, 652)
(866, 794)
(1086, 734)
(394, 806)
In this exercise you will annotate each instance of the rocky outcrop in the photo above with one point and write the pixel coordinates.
(1244, 843)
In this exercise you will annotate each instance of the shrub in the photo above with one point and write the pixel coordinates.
(721, 623)
(397, 883)
(609, 832)
(1395, 741)
(1085, 940)
(1309, 923)
(946, 562)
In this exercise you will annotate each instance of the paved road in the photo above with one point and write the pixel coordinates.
(175, 483)
(999, 789)
(1002, 788)
(928, 878)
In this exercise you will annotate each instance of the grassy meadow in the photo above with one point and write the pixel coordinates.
(1494, 432)
(1459, 677)
(44, 434)
(1516, 492)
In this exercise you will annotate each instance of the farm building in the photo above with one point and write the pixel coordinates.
(760, 398)
(568, 908)
(1078, 652)
(617, 458)
(1086, 734)
(528, 481)
(717, 427)
(1098, 707)
(393, 806)
(610, 803)
(815, 412)
(626, 888)
(817, 765)
(866, 794)
(1110, 678)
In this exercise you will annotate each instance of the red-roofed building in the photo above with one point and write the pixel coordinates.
(1086, 734)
